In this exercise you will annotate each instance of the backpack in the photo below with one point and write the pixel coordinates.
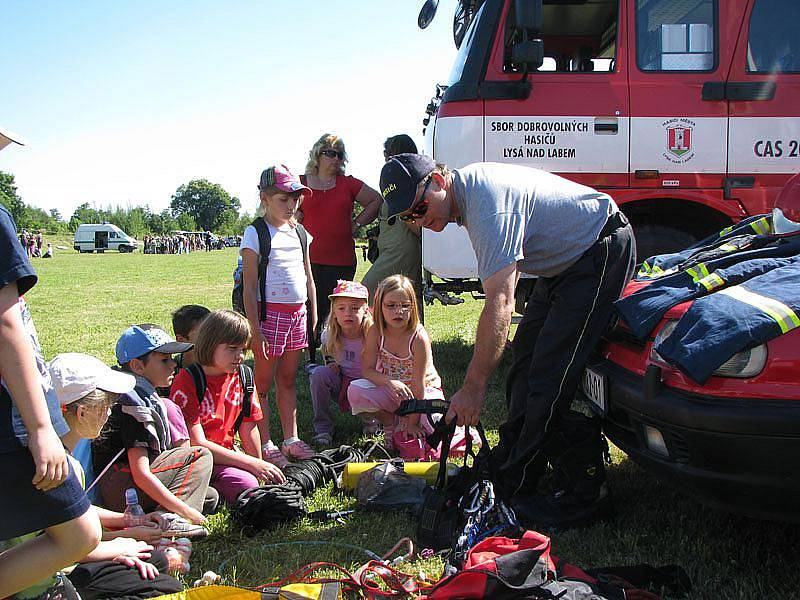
(264, 248)
(245, 378)
(524, 567)
(372, 244)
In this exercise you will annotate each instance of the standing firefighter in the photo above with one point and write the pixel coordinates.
(581, 248)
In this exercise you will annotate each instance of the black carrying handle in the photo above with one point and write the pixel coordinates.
(443, 433)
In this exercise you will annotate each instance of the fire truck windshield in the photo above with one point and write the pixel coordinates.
(463, 51)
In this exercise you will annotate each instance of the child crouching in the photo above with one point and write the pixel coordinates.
(342, 340)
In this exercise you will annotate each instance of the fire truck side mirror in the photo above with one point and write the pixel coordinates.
(528, 54)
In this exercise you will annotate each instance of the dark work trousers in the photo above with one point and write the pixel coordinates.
(107, 579)
(325, 278)
(564, 320)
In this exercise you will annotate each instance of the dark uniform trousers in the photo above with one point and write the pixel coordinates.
(565, 317)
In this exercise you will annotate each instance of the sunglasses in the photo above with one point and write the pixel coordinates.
(332, 154)
(420, 208)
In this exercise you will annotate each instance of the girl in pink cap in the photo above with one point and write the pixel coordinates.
(342, 343)
(275, 290)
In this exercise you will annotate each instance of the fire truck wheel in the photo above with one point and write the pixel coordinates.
(660, 239)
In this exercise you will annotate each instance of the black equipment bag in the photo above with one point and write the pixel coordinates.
(264, 248)
(441, 519)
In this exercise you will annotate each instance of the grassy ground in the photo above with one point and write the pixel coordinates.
(83, 302)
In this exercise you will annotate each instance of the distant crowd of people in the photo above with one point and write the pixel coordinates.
(182, 243)
(32, 242)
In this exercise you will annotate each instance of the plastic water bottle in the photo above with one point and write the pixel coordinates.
(133, 515)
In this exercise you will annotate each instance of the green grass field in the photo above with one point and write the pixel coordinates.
(83, 302)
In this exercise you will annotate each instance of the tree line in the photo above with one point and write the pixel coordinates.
(198, 205)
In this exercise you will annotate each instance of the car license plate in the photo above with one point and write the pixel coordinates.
(594, 387)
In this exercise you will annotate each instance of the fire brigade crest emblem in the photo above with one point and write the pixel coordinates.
(680, 140)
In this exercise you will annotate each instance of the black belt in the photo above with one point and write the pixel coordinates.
(614, 222)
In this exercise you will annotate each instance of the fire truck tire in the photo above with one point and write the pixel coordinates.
(660, 239)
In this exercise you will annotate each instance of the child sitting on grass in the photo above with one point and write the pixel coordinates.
(137, 436)
(397, 363)
(124, 563)
(224, 406)
(343, 340)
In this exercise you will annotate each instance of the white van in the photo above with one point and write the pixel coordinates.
(99, 237)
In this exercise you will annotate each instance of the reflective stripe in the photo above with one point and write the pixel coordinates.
(698, 272)
(711, 282)
(784, 316)
(726, 231)
(762, 226)
(729, 248)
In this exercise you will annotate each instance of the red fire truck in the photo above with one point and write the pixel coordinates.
(687, 112)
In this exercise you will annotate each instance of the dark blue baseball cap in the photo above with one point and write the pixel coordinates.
(400, 177)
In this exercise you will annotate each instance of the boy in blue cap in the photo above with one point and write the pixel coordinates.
(137, 436)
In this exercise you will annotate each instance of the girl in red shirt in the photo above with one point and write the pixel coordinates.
(221, 343)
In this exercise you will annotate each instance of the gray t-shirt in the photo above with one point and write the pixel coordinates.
(541, 221)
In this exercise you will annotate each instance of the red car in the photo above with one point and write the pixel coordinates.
(733, 442)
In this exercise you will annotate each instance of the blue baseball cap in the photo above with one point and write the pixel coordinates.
(138, 340)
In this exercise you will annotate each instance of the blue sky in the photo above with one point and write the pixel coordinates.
(122, 102)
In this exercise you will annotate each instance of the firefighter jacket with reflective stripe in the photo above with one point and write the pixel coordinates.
(733, 319)
(643, 309)
(749, 233)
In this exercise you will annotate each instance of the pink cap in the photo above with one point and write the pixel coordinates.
(349, 289)
(281, 177)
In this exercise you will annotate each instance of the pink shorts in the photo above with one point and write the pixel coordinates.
(366, 397)
(285, 331)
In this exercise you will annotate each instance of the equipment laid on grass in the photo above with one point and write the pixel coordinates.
(387, 487)
(500, 567)
(426, 470)
(266, 506)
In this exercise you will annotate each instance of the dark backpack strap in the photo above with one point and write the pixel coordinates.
(264, 248)
(199, 378)
(303, 235)
(246, 379)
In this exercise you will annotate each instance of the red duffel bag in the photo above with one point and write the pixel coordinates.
(502, 568)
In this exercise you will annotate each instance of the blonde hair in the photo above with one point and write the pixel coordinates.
(220, 327)
(97, 398)
(333, 340)
(391, 284)
(327, 140)
(272, 190)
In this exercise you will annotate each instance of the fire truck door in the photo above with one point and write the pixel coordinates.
(574, 122)
(678, 49)
(763, 91)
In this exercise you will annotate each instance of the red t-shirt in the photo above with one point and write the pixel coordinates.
(327, 216)
(220, 407)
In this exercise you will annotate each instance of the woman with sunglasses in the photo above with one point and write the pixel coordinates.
(328, 217)
(399, 247)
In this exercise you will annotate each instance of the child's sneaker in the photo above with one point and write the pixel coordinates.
(323, 439)
(272, 454)
(173, 525)
(61, 590)
(297, 450)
